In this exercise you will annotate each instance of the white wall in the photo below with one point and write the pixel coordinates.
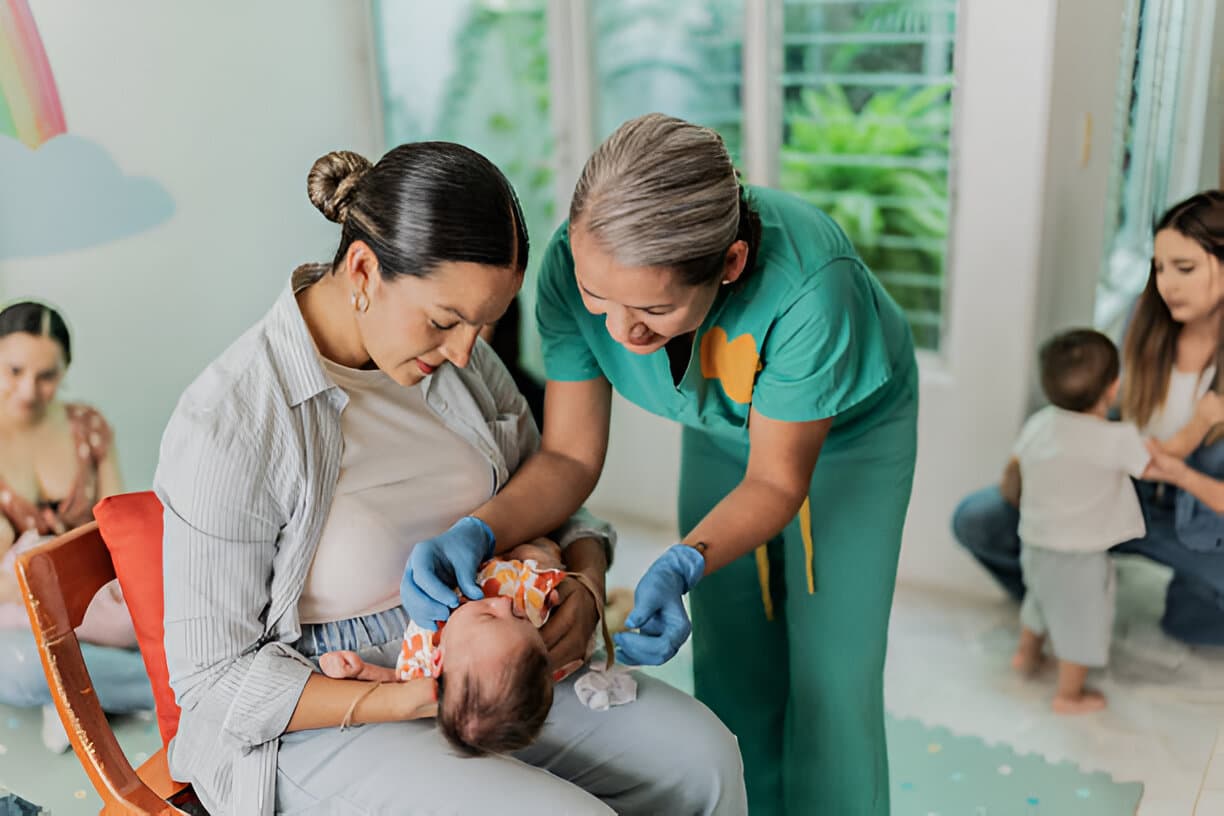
(226, 105)
(642, 471)
(973, 393)
(1080, 136)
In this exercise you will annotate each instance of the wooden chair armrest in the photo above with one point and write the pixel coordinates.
(57, 581)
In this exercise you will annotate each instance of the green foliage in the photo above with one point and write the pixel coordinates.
(497, 102)
(496, 43)
(881, 172)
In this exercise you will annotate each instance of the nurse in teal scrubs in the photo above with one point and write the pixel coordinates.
(746, 315)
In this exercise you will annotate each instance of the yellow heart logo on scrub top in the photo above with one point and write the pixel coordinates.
(734, 363)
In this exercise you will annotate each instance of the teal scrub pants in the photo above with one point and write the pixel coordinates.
(803, 687)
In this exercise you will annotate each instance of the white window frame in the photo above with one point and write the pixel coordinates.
(571, 79)
(762, 91)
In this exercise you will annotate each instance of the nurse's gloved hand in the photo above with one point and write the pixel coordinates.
(438, 565)
(658, 608)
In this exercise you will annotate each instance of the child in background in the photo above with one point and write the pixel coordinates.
(1076, 503)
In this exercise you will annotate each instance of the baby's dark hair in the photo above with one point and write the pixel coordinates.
(479, 718)
(1077, 368)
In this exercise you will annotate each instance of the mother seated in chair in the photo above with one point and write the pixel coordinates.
(359, 416)
(56, 462)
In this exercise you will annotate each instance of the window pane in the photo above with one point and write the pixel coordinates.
(680, 57)
(867, 112)
(476, 72)
(1144, 141)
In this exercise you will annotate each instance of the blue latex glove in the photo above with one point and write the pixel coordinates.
(658, 608)
(438, 565)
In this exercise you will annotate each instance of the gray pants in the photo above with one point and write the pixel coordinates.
(665, 753)
(1070, 596)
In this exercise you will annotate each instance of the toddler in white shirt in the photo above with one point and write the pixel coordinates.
(1077, 501)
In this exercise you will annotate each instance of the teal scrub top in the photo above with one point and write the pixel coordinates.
(808, 333)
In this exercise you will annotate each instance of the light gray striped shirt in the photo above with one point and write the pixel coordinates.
(248, 468)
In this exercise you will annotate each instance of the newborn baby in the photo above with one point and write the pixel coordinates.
(497, 688)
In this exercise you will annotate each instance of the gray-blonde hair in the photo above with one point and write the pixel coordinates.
(663, 192)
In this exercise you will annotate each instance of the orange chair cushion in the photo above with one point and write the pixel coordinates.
(131, 526)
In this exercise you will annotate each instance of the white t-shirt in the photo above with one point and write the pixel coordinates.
(1185, 389)
(1075, 492)
(404, 477)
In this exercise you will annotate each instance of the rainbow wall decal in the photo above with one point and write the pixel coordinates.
(29, 101)
(59, 191)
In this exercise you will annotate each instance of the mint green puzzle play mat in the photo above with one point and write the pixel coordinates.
(937, 773)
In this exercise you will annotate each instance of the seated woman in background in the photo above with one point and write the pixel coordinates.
(56, 462)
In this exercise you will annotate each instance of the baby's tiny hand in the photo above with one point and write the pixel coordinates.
(541, 550)
(341, 665)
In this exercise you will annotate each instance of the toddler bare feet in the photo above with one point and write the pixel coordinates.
(341, 665)
(1026, 663)
(1086, 702)
(1028, 660)
(1029, 653)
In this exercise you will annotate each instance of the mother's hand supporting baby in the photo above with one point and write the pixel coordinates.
(574, 619)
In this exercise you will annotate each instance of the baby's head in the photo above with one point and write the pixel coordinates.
(496, 688)
(1079, 370)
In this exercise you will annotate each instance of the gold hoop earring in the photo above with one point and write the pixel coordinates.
(360, 301)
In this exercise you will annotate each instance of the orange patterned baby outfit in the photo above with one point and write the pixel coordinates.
(524, 581)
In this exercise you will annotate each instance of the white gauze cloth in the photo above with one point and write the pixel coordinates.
(602, 687)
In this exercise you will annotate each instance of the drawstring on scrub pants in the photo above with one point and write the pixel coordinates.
(762, 559)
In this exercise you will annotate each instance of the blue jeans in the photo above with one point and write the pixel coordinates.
(118, 675)
(989, 528)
